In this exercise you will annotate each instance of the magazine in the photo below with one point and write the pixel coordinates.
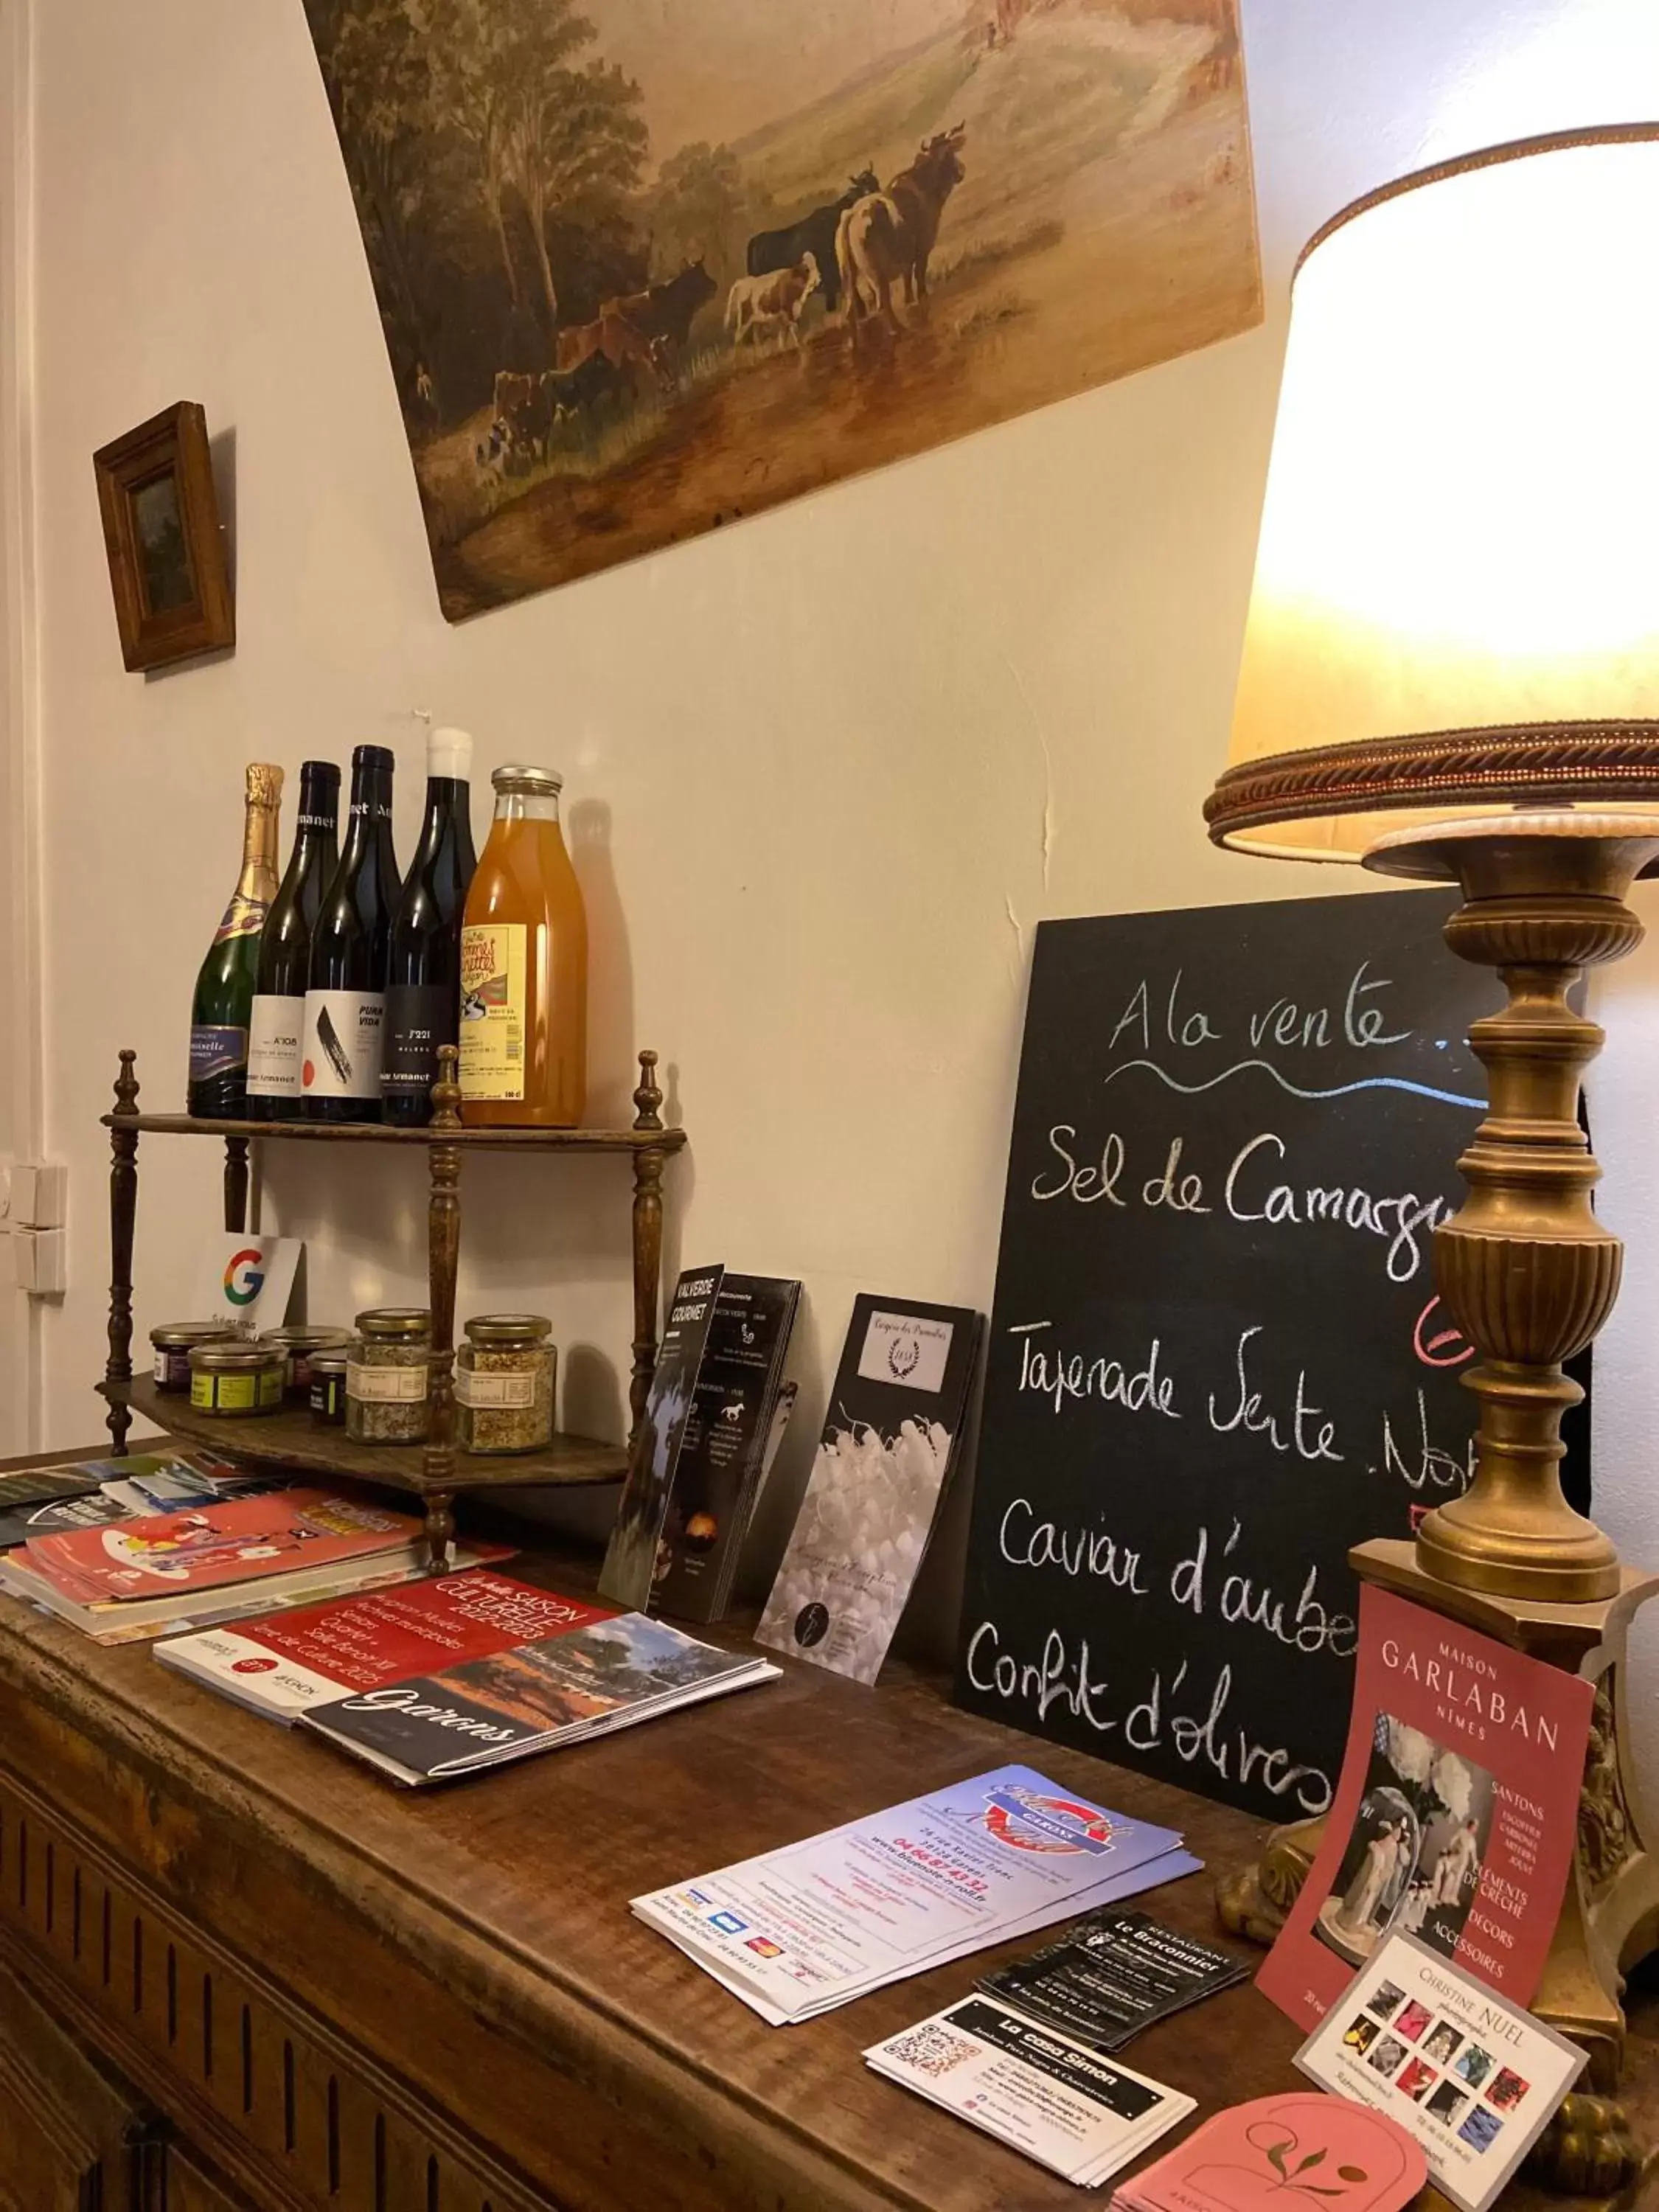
(890, 1439)
(281, 1666)
(539, 1696)
(1455, 1818)
(729, 1438)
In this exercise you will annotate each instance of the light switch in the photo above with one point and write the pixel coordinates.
(39, 1260)
(38, 1189)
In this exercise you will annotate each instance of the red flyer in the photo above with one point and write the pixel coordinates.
(285, 1663)
(237, 1540)
(1454, 1819)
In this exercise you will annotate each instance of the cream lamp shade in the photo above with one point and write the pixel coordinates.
(1456, 594)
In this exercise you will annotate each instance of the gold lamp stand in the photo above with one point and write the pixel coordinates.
(1530, 1275)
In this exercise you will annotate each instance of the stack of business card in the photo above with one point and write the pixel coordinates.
(1080, 2114)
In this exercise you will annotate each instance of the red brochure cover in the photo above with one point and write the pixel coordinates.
(288, 1661)
(206, 1545)
(1455, 1817)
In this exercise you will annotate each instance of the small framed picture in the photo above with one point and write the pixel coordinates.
(166, 554)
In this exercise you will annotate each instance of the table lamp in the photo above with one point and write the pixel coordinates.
(1450, 672)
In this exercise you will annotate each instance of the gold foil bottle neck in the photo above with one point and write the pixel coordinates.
(264, 784)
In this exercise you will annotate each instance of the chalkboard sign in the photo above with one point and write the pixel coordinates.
(1216, 1358)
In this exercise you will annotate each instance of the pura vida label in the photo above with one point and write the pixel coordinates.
(493, 1010)
(341, 1047)
(276, 1028)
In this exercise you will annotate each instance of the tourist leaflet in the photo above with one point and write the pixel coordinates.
(1292, 2149)
(1078, 2114)
(282, 1665)
(534, 1697)
(1112, 1975)
(799, 1931)
(890, 1436)
(1456, 1815)
(1473, 2078)
(91, 1493)
(636, 1558)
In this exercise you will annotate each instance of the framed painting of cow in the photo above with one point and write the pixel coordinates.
(644, 271)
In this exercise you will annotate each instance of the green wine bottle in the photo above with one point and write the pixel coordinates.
(219, 1011)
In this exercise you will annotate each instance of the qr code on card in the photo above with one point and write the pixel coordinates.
(933, 2050)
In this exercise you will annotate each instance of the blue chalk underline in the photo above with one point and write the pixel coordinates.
(1339, 1090)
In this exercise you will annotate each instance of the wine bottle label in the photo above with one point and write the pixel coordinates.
(493, 1006)
(340, 1051)
(243, 917)
(491, 1390)
(215, 1050)
(419, 1017)
(273, 1046)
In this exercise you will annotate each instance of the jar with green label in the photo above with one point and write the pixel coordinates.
(235, 1378)
(504, 1384)
(388, 1376)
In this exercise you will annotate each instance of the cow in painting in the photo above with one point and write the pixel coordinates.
(770, 250)
(755, 305)
(885, 239)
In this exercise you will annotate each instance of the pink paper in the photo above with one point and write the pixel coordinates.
(1290, 2154)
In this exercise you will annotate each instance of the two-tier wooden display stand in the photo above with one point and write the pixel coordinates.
(436, 1470)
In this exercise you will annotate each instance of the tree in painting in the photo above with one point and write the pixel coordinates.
(641, 272)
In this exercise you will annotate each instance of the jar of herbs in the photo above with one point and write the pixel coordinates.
(388, 1374)
(172, 1343)
(231, 1376)
(297, 1345)
(504, 1384)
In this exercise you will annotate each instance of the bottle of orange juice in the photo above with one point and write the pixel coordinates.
(523, 967)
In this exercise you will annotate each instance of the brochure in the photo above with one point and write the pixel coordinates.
(1112, 1975)
(895, 1421)
(539, 1696)
(281, 1666)
(799, 1931)
(89, 1493)
(1296, 2150)
(728, 1436)
(635, 1558)
(237, 1540)
(1455, 1817)
(1079, 2114)
(1475, 2078)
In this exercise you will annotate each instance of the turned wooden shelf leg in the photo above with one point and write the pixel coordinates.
(123, 1211)
(443, 1263)
(648, 1160)
(236, 1186)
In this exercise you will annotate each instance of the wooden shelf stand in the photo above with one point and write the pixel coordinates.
(437, 1470)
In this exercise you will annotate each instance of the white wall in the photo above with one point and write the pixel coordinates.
(831, 766)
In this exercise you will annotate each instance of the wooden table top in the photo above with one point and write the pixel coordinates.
(535, 1866)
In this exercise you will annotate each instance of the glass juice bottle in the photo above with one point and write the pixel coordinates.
(523, 967)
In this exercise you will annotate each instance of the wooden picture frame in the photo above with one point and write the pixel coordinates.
(162, 537)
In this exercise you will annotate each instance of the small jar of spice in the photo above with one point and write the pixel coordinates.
(297, 1345)
(172, 1343)
(327, 1392)
(388, 1374)
(229, 1377)
(504, 1384)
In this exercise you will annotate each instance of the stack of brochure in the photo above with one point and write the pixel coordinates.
(564, 1689)
(1080, 2114)
(89, 1493)
(220, 1559)
(799, 1931)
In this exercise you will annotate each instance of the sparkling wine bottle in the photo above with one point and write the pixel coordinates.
(279, 990)
(423, 981)
(221, 1008)
(345, 996)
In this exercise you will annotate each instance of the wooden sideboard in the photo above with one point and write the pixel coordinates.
(236, 1972)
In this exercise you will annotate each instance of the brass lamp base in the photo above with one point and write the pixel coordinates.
(1524, 1267)
(1529, 1275)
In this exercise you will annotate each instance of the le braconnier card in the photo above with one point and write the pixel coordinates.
(1455, 1817)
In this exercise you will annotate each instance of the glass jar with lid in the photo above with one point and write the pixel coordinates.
(172, 1344)
(297, 1345)
(504, 1384)
(388, 1376)
(229, 1376)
